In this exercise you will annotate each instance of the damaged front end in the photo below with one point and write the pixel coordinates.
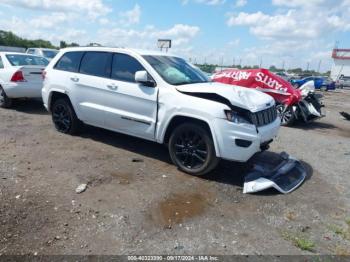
(285, 177)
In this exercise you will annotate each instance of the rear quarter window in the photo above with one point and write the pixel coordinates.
(1, 63)
(69, 62)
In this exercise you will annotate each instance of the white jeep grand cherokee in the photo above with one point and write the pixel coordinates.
(162, 98)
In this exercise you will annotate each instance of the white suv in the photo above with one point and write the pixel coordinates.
(162, 98)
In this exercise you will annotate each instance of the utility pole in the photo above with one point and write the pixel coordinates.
(308, 66)
(319, 66)
(283, 64)
(261, 62)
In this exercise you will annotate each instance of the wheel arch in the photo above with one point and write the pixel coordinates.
(180, 119)
(54, 95)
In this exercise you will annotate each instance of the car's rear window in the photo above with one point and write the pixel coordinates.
(69, 62)
(23, 60)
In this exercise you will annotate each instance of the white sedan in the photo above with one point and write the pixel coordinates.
(20, 76)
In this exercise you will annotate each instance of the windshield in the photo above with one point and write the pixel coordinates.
(23, 60)
(176, 71)
(50, 53)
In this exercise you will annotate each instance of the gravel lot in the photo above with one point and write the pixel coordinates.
(138, 203)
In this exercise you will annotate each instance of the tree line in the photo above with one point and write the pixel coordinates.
(10, 39)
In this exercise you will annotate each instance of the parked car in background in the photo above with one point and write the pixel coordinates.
(20, 76)
(321, 83)
(283, 75)
(44, 52)
(343, 81)
(161, 98)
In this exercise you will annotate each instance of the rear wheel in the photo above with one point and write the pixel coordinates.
(286, 114)
(192, 149)
(5, 101)
(64, 117)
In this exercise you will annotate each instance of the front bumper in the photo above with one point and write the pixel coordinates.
(251, 140)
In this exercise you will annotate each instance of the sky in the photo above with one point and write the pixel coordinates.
(293, 33)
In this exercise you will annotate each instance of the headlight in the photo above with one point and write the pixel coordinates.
(235, 117)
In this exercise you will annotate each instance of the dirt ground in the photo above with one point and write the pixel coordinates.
(137, 202)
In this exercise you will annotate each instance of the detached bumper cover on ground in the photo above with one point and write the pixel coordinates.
(285, 177)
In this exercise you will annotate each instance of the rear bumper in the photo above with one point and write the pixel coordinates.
(239, 142)
(23, 90)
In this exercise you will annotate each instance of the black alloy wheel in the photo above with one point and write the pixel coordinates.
(64, 117)
(191, 148)
(5, 101)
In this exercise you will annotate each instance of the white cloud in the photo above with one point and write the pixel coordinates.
(147, 38)
(235, 42)
(241, 3)
(295, 32)
(206, 2)
(132, 16)
(306, 21)
(94, 8)
(297, 3)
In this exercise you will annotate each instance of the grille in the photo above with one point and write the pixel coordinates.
(264, 117)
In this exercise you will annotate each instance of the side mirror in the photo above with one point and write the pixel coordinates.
(143, 78)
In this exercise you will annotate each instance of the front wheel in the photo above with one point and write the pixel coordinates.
(64, 117)
(5, 101)
(192, 149)
(286, 114)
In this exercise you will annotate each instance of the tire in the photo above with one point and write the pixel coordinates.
(287, 115)
(5, 101)
(192, 150)
(64, 117)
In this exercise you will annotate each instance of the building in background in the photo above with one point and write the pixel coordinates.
(341, 66)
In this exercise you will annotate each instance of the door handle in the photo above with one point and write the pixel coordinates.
(112, 87)
(74, 79)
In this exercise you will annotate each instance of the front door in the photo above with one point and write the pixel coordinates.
(131, 107)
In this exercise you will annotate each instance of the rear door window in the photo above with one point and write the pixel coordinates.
(96, 64)
(30, 51)
(70, 62)
(124, 68)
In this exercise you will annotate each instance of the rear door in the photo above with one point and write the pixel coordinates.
(130, 107)
(91, 86)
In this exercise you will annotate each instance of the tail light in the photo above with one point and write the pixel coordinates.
(43, 74)
(18, 77)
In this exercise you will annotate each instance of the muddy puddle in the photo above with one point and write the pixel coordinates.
(179, 208)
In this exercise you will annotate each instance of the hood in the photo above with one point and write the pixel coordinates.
(249, 99)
